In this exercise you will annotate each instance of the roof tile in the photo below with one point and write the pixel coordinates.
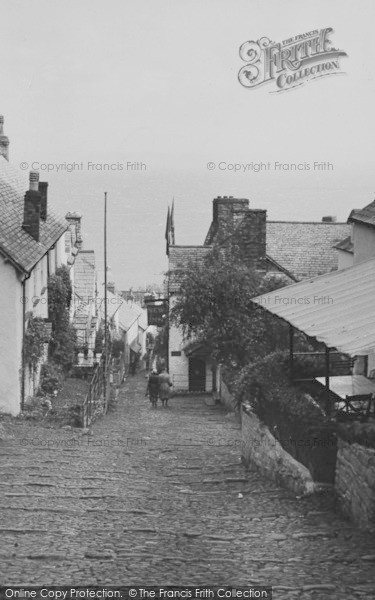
(21, 248)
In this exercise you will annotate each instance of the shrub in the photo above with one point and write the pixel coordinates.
(358, 433)
(36, 408)
(294, 418)
(314, 365)
(62, 347)
(34, 340)
(51, 378)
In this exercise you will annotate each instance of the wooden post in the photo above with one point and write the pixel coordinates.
(291, 350)
(328, 399)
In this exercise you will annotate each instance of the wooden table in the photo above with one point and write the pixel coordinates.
(349, 385)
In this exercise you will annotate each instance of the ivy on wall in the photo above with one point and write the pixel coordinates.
(63, 342)
(34, 340)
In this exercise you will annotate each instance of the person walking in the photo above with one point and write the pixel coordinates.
(153, 388)
(165, 386)
(133, 367)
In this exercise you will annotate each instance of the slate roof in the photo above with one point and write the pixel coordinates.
(297, 248)
(305, 249)
(180, 258)
(84, 275)
(364, 215)
(114, 302)
(15, 243)
(129, 313)
(346, 245)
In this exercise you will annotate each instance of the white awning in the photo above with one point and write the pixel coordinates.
(337, 309)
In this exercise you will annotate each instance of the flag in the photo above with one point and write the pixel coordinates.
(168, 230)
(172, 224)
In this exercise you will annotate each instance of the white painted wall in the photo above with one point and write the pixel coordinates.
(345, 259)
(10, 339)
(363, 239)
(36, 290)
(179, 365)
(60, 252)
(371, 363)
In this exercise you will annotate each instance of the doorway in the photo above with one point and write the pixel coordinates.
(197, 375)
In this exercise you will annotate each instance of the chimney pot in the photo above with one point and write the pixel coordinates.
(329, 219)
(74, 220)
(33, 180)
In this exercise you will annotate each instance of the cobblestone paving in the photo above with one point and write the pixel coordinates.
(160, 497)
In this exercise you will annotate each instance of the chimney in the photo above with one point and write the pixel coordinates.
(43, 189)
(329, 219)
(240, 228)
(4, 140)
(251, 238)
(224, 209)
(74, 219)
(31, 216)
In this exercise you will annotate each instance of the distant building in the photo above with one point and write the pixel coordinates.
(138, 296)
(294, 250)
(85, 302)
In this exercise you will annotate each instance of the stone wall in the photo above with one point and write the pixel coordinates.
(261, 450)
(226, 398)
(355, 482)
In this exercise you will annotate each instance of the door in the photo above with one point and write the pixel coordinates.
(197, 375)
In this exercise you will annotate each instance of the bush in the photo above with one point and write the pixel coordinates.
(294, 418)
(358, 433)
(62, 347)
(51, 378)
(314, 365)
(36, 408)
(34, 340)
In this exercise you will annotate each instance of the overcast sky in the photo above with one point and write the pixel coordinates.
(155, 81)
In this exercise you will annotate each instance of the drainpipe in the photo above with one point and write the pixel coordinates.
(23, 339)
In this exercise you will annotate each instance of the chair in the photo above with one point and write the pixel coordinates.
(356, 407)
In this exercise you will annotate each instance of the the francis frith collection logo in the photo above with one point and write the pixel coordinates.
(290, 63)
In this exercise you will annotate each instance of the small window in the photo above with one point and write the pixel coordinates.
(176, 353)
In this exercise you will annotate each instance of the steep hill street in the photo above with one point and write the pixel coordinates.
(161, 497)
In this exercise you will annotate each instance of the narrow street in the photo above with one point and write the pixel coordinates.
(161, 497)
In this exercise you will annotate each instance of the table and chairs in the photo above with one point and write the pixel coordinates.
(354, 396)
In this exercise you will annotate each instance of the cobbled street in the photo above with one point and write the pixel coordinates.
(160, 497)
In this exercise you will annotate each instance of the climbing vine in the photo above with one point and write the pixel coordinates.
(63, 341)
(34, 340)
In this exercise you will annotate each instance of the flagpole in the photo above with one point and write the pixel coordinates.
(105, 302)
